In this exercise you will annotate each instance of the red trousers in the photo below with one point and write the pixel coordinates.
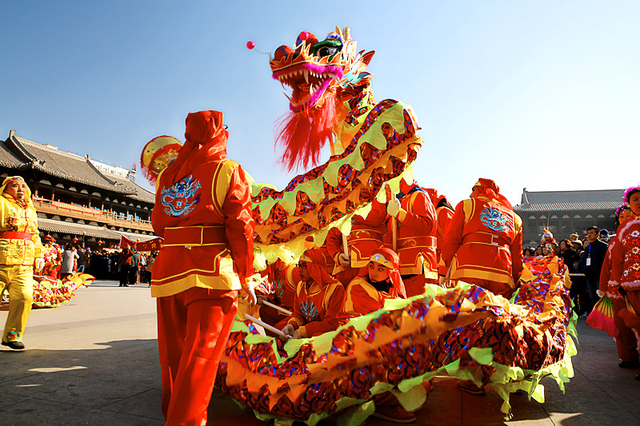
(626, 340)
(193, 329)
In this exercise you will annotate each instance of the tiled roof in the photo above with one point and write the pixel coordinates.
(18, 152)
(134, 191)
(51, 225)
(64, 165)
(9, 159)
(602, 199)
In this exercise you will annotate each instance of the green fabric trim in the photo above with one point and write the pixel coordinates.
(257, 187)
(357, 415)
(412, 399)
(483, 356)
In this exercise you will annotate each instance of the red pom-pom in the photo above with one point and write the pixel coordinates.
(250, 45)
(304, 35)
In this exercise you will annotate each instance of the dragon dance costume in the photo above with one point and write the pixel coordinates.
(20, 246)
(465, 331)
(483, 244)
(318, 301)
(415, 233)
(203, 211)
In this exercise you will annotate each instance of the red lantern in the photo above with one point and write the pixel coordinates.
(75, 240)
(100, 242)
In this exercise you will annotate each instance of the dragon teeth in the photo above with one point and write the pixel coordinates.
(306, 76)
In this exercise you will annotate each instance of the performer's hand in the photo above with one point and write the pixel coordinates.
(39, 264)
(296, 335)
(393, 207)
(251, 295)
(289, 329)
(262, 298)
(344, 260)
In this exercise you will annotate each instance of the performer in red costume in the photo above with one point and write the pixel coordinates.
(626, 341)
(318, 299)
(483, 244)
(366, 235)
(203, 211)
(444, 213)
(412, 232)
(378, 281)
(285, 279)
(625, 261)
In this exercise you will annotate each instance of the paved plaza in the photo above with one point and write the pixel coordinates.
(94, 362)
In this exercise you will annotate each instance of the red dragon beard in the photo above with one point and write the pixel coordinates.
(305, 133)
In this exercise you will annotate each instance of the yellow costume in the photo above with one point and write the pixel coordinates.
(19, 246)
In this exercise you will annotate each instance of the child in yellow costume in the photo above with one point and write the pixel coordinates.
(20, 248)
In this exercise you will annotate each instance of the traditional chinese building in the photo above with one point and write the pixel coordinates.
(77, 197)
(566, 212)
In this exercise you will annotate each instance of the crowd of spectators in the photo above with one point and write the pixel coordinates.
(583, 258)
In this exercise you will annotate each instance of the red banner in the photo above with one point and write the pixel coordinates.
(151, 245)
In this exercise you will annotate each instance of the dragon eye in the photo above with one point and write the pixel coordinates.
(327, 51)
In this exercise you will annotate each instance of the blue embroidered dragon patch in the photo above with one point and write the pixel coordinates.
(180, 199)
(309, 310)
(493, 219)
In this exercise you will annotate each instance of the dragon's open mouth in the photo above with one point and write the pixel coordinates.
(309, 83)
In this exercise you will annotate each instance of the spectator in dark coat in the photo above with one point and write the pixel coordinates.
(594, 254)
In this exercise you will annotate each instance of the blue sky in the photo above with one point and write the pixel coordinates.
(543, 95)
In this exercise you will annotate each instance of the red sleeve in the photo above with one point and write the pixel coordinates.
(334, 243)
(444, 217)
(359, 302)
(617, 263)
(239, 224)
(516, 255)
(605, 272)
(297, 318)
(331, 320)
(453, 237)
(377, 215)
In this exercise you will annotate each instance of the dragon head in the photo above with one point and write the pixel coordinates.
(322, 75)
(315, 70)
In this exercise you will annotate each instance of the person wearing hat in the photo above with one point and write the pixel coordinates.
(378, 281)
(625, 261)
(318, 299)
(21, 252)
(483, 246)
(203, 212)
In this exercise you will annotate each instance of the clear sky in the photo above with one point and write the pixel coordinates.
(539, 94)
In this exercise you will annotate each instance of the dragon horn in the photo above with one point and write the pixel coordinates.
(347, 33)
(338, 30)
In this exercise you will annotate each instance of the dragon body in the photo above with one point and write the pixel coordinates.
(465, 331)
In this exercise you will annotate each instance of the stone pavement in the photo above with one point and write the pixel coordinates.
(94, 362)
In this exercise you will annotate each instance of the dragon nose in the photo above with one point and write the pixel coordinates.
(282, 52)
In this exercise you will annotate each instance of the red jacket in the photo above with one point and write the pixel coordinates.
(416, 236)
(203, 212)
(484, 241)
(317, 307)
